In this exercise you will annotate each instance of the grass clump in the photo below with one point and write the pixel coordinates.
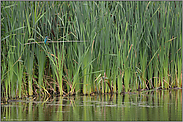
(93, 47)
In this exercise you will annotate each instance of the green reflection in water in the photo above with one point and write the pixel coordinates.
(150, 106)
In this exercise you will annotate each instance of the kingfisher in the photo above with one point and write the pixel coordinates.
(45, 39)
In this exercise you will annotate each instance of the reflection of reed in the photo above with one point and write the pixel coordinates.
(100, 107)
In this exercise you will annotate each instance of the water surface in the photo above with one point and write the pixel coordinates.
(162, 105)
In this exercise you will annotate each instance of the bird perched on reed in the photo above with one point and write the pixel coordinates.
(46, 38)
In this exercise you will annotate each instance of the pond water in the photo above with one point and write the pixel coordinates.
(161, 105)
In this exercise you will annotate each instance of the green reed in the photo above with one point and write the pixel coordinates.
(121, 46)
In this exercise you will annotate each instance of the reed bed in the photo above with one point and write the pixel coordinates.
(93, 47)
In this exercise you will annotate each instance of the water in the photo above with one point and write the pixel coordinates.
(162, 105)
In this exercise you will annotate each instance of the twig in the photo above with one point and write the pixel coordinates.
(53, 42)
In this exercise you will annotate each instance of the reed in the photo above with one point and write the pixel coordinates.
(92, 47)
